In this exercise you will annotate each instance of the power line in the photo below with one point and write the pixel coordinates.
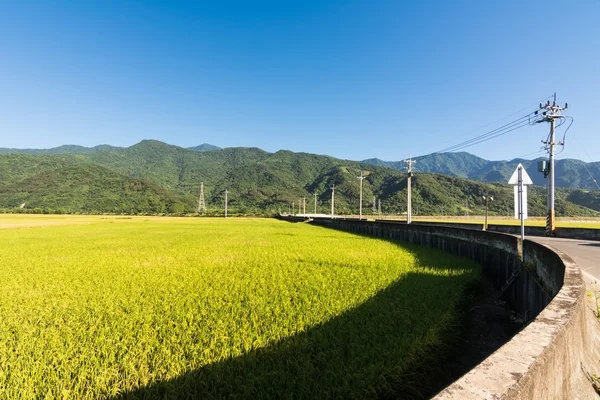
(591, 162)
(504, 129)
(498, 120)
(530, 154)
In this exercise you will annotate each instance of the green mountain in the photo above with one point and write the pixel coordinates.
(66, 149)
(154, 177)
(569, 173)
(69, 186)
(204, 147)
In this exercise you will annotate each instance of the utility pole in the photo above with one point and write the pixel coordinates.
(550, 113)
(332, 200)
(226, 192)
(487, 199)
(293, 208)
(201, 204)
(304, 205)
(467, 208)
(361, 178)
(315, 202)
(374, 205)
(379, 207)
(410, 162)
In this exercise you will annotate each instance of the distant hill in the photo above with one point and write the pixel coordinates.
(66, 149)
(155, 177)
(75, 149)
(569, 173)
(67, 186)
(204, 147)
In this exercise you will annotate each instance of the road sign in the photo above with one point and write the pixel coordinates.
(514, 179)
(520, 178)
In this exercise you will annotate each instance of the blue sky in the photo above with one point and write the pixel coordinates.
(352, 79)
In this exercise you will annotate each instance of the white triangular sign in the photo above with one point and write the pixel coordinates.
(514, 179)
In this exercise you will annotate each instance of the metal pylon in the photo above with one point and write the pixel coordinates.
(201, 203)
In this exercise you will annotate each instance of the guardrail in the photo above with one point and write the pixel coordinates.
(548, 358)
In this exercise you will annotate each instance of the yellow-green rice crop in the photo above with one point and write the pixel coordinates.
(186, 308)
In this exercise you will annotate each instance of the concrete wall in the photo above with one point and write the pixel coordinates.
(567, 233)
(549, 358)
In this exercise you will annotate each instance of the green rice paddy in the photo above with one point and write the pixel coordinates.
(107, 307)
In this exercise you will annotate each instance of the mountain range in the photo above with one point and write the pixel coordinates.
(569, 173)
(153, 177)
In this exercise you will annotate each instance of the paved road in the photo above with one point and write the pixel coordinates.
(584, 252)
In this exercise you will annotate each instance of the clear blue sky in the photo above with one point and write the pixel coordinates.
(352, 79)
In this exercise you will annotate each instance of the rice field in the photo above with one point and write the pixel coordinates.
(108, 307)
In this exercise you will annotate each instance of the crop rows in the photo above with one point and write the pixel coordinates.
(180, 308)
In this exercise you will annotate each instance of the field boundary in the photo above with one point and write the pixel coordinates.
(551, 357)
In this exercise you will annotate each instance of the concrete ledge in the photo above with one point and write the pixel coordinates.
(548, 359)
(567, 233)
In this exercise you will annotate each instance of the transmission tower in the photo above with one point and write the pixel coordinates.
(201, 203)
(410, 162)
(550, 113)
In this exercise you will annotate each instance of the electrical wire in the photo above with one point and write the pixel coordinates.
(505, 117)
(591, 162)
(497, 130)
(532, 153)
(562, 143)
(511, 126)
(591, 176)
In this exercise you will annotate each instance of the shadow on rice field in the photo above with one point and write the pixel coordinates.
(391, 346)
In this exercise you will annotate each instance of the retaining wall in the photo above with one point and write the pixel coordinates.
(550, 357)
(567, 233)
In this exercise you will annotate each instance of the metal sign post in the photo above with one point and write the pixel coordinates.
(520, 178)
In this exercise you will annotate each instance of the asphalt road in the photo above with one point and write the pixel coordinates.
(585, 253)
